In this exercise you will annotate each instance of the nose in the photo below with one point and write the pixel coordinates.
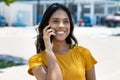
(61, 25)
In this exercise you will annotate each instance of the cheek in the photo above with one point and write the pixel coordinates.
(68, 29)
(52, 26)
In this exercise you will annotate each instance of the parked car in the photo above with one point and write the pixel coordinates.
(112, 20)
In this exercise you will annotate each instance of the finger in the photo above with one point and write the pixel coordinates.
(48, 33)
(50, 30)
(47, 27)
(52, 33)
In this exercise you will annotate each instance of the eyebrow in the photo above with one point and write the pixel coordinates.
(58, 18)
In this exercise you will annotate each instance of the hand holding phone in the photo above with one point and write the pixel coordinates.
(48, 34)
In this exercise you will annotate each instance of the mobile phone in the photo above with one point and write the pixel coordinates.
(51, 37)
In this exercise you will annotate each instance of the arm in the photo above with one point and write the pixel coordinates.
(53, 71)
(90, 74)
(40, 72)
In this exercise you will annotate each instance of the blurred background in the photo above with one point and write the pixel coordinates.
(88, 12)
(97, 27)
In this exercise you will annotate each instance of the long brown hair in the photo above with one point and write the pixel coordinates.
(48, 13)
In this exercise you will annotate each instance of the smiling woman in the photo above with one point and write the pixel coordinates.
(58, 51)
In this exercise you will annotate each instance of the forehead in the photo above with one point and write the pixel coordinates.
(60, 14)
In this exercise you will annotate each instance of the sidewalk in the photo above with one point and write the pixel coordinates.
(104, 47)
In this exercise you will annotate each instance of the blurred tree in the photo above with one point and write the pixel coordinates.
(7, 2)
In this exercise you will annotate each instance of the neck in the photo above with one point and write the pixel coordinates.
(60, 47)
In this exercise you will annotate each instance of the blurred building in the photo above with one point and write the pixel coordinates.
(29, 12)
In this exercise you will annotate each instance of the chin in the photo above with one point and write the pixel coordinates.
(60, 39)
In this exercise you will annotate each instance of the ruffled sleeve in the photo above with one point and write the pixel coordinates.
(34, 61)
(90, 60)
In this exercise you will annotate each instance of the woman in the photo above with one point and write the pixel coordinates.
(58, 55)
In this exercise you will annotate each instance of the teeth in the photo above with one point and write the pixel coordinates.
(60, 32)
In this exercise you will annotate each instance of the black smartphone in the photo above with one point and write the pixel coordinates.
(51, 37)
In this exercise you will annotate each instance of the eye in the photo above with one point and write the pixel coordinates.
(55, 21)
(66, 22)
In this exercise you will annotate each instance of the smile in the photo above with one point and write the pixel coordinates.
(60, 32)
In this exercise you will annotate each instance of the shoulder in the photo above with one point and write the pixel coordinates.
(86, 55)
(81, 49)
(35, 60)
(37, 56)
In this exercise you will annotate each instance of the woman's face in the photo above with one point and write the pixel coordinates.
(60, 23)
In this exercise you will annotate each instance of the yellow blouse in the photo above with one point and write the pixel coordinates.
(73, 64)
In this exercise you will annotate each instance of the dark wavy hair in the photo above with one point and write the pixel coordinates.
(40, 46)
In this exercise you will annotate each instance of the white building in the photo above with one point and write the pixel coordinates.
(27, 10)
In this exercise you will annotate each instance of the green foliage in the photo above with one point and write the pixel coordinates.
(8, 2)
(5, 63)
